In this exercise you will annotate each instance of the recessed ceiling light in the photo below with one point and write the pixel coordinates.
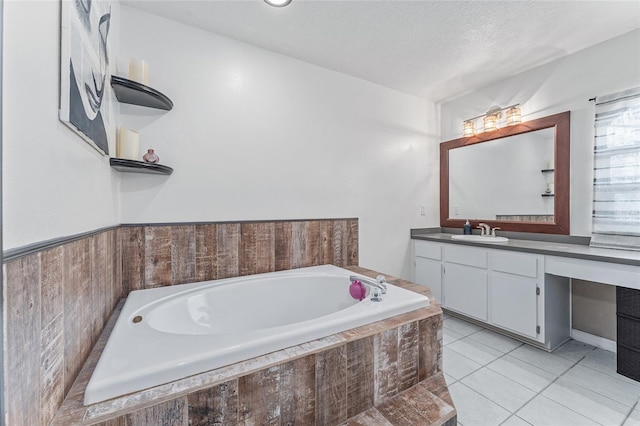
(277, 3)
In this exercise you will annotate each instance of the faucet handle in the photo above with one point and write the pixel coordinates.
(376, 297)
(493, 231)
(381, 279)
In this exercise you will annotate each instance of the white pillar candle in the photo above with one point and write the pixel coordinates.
(139, 71)
(128, 145)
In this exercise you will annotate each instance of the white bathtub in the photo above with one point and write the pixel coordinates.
(165, 334)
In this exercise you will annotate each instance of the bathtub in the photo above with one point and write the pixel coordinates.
(165, 334)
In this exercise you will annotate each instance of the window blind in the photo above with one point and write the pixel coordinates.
(616, 178)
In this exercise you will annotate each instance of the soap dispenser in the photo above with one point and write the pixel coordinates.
(466, 229)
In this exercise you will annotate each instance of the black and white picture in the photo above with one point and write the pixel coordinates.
(84, 77)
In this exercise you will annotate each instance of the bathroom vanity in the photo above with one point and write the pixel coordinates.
(520, 287)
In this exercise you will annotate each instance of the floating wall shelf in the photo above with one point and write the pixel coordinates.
(133, 166)
(131, 92)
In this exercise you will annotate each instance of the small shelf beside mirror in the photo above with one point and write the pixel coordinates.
(133, 166)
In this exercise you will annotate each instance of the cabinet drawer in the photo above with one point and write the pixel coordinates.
(628, 301)
(628, 332)
(428, 250)
(469, 256)
(628, 362)
(512, 263)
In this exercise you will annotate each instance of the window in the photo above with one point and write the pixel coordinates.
(616, 183)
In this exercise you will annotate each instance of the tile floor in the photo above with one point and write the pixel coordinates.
(495, 380)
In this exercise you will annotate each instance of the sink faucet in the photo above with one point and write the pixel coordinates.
(379, 286)
(484, 229)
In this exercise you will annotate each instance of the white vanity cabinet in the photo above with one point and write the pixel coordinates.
(427, 267)
(516, 283)
(465, 280)
(504, 289)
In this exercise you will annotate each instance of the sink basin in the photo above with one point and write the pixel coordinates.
(480, 238)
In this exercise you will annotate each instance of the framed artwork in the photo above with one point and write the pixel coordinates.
(85, 97)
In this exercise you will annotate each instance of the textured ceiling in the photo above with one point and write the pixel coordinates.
(432, 49)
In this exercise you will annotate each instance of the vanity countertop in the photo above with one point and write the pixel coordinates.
(577, 251)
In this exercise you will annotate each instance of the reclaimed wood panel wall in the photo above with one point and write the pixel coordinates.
(161, 255)
(326, 388)
(57, 300)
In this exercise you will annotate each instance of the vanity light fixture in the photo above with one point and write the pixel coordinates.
(277, 3)
(491, 119)
(469, 128)
(514, 115)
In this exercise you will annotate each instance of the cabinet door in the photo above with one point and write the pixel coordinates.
(429, 272)
(514, 303)
(465, 290)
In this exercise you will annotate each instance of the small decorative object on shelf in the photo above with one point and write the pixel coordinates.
(139, 71)
(151, 157)
(549, 189)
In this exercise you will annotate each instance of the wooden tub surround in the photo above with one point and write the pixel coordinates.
(59, 295)
(388, 373)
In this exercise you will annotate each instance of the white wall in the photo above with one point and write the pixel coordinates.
(54, 183)
(565, 84)
(257, 135)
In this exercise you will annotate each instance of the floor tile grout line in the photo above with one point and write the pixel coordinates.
(489, 399)
(594, 390)
(568, 408)
(538, 393)
(514, 415)
(630, 412)
(482, 366)
(624, 379)
(569, 359)
(551, 372)
(496, 402)
(551, 384)
(577, 384)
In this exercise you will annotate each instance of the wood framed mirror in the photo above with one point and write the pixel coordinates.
(515, 178)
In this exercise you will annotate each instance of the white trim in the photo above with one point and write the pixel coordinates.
(592, 339)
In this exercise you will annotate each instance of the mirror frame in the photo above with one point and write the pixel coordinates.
(561, 224)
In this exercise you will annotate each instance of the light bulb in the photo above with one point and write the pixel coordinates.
(469, 129)
(514, 116)
(490, 122)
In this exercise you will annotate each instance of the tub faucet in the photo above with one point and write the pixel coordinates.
(379, 286)
(484, 229)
